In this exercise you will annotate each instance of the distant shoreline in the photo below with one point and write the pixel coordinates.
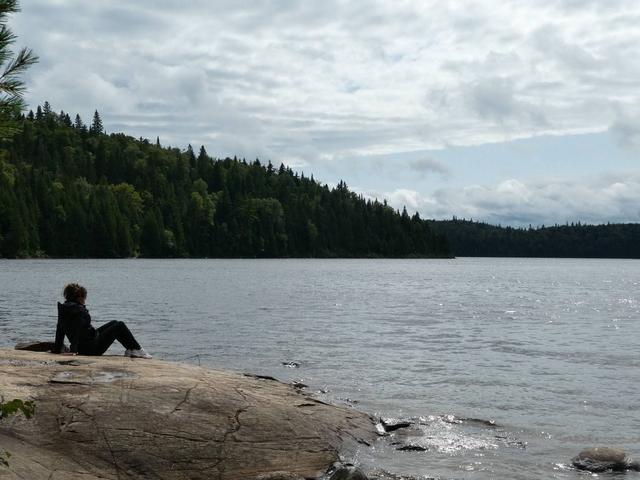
(46, 257)
(408, 257)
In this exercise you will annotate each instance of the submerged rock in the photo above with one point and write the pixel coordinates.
(412, 448)
(602, 459)
(380, 474)
(298, 384)
(348, 472)
(480, 421)
(120, 418)
(391, 426)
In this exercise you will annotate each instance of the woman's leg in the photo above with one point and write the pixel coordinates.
(112, 331)
(106, 326)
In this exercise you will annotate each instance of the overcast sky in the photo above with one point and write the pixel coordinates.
(512, 112)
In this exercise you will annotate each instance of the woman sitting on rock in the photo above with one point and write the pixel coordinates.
(74, 321)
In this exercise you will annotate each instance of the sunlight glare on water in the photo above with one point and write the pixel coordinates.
(545, 349)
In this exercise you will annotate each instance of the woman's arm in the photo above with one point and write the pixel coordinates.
(59, 342)
(81, 326)
(73, 346)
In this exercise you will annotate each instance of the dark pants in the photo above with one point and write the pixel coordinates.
(109, 333)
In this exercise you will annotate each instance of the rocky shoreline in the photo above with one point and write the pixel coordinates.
(116, 418)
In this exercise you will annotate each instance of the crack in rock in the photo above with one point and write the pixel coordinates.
(235, 428)
(184, 400)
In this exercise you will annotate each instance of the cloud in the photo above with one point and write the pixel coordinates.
(572, 56)
(311, 71)
(614, 198)
(327, 85)
(426, 165)
(410, 199)
(626, 131)
(495, 99)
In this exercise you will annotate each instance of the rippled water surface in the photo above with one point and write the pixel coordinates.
(548, 350)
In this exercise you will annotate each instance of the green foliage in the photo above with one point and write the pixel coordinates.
(476, 239)
(96, 127)
(13, 407)
(11, 69)
(66, 192)
(77, 192)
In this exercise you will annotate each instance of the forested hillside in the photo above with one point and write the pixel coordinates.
(70, 190)
(476, 239)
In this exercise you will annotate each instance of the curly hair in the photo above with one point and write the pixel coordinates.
(74, 291)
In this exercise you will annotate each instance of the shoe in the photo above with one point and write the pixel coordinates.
(137, 353)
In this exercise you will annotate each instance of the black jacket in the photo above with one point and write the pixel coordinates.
(74, 321)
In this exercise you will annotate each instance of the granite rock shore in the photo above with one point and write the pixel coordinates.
(119, 418)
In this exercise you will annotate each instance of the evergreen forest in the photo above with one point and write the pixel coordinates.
(68, 189)
(476, 239)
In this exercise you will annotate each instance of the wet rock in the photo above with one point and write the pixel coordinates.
(89, 378)
(118, 418)
(451, 419)
(69, 363)
(380, 474)
(279, 476)
(511, 442)
(404, 433)
(602, 459)
(412, 448)
(393, 426)
(480, 421)
(261, 377)
(348, 472)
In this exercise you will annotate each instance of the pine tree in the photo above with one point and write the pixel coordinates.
(12, 68)
(203, 163)
(96, 127)
(191, 159)
(66, 120)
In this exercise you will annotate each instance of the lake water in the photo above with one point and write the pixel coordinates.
(547, 349)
